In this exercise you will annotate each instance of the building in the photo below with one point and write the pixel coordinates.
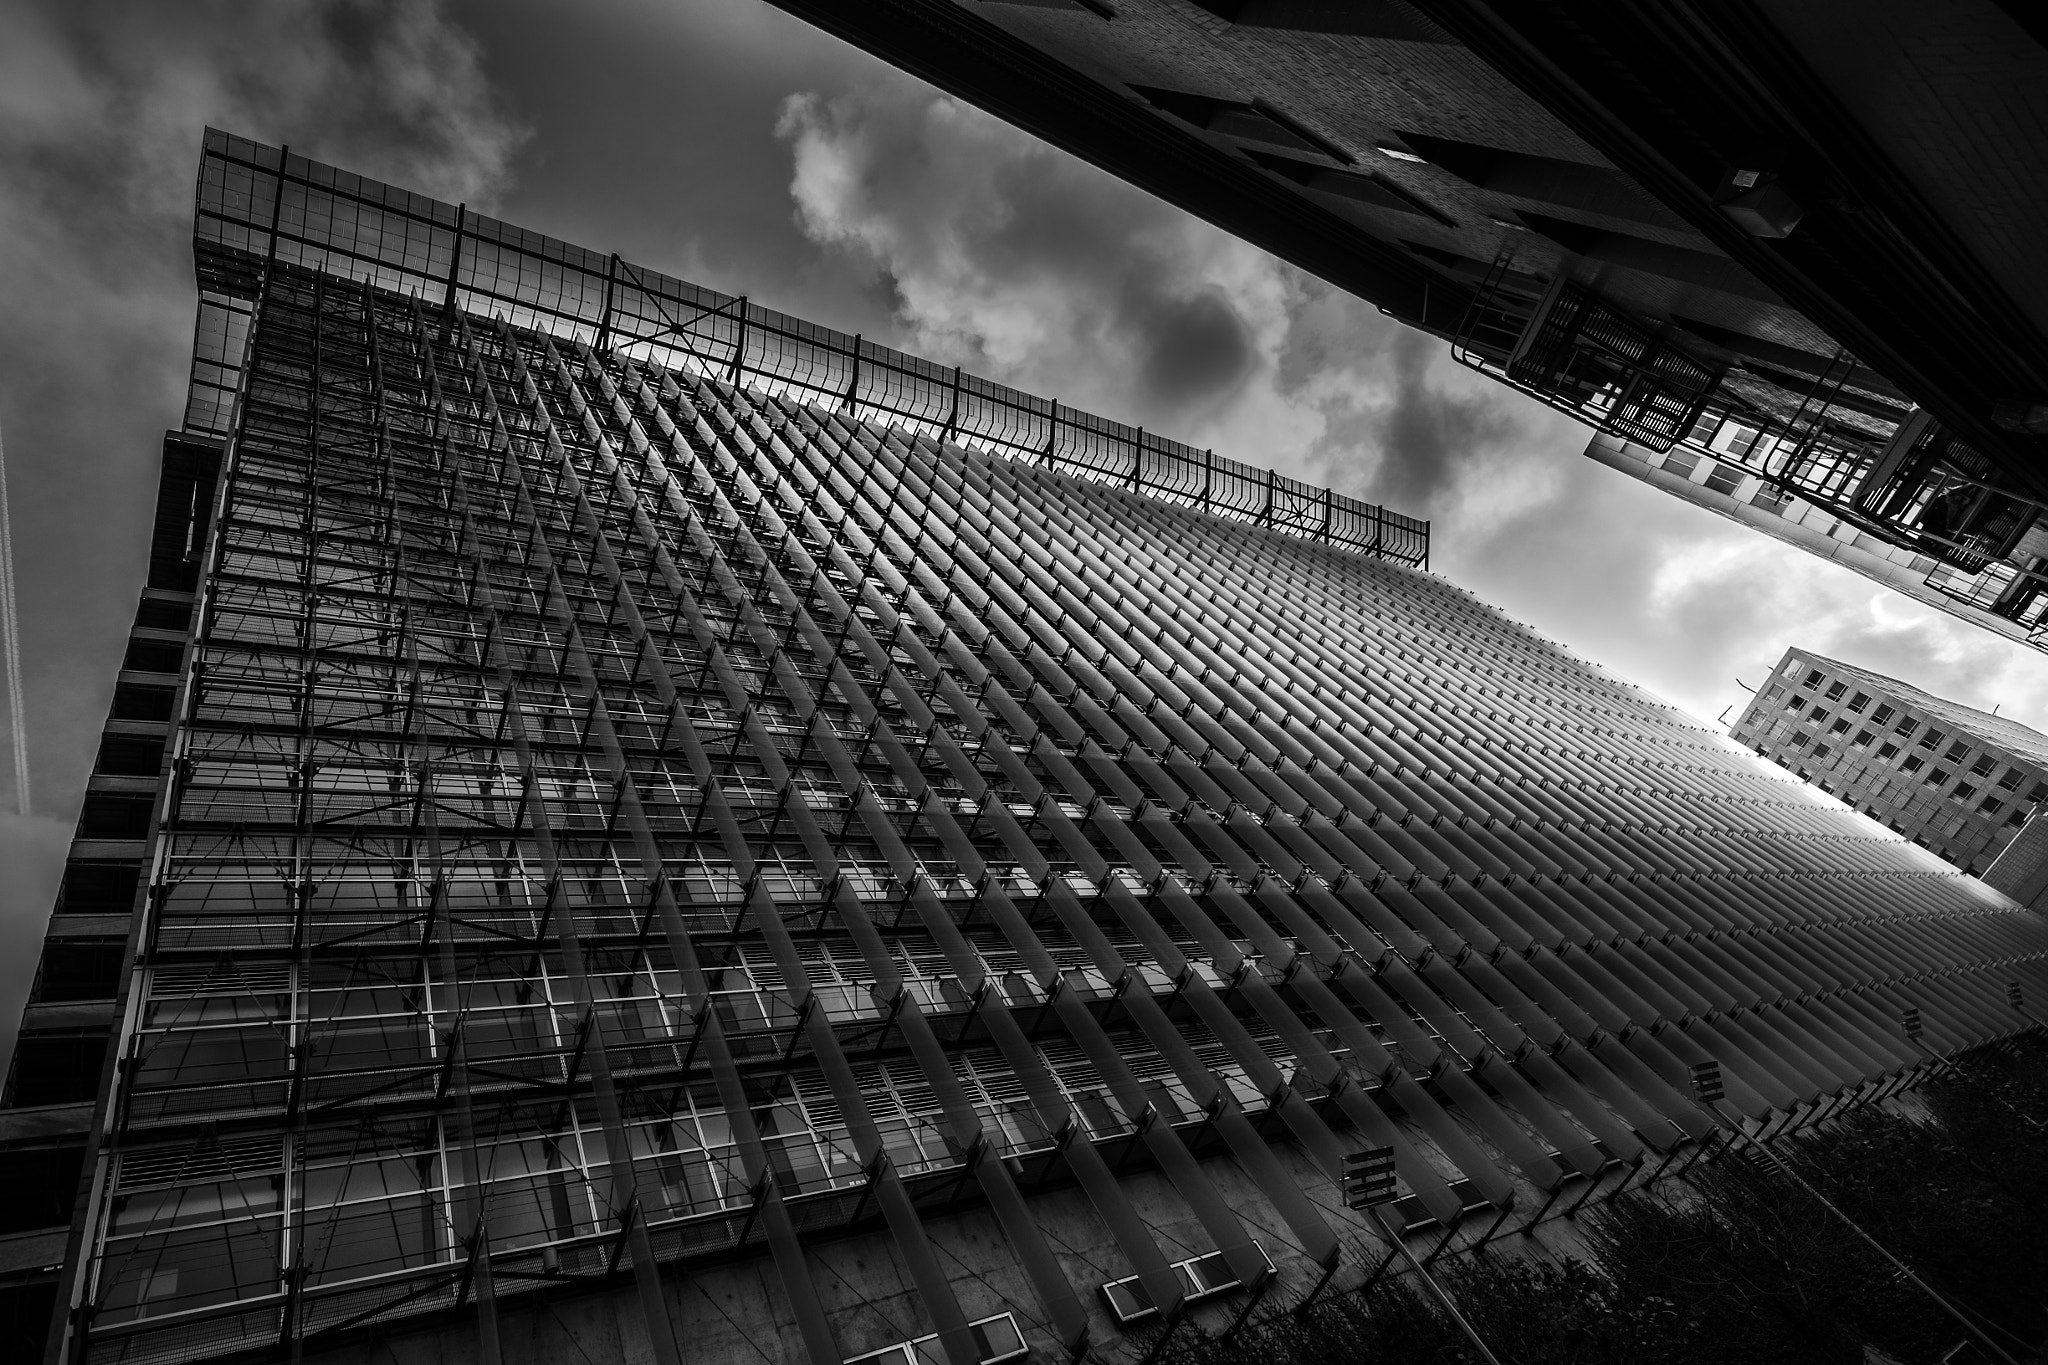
(1776, 254)
(1955, 780)
(631, 819)
(2021, 868)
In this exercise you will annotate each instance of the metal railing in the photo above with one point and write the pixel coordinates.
(258, 203)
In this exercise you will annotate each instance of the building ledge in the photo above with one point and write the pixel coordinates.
(36, 1121)
(68, 1014)
(41, 1249)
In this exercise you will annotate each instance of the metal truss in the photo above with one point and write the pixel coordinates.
(622, 819)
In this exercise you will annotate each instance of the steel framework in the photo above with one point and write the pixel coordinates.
(636, 804)
(1900, 478)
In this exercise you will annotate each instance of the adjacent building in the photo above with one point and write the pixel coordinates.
(634, 826)
(1955, 780)
(1776, 254)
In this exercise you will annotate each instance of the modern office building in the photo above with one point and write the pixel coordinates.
(2020, 870)
(1953, 779)
(1782, 257)
(637, 827)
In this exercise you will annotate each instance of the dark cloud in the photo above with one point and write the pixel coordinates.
(1002, 253)
(101, 110)
(993, 250)
(1428, 431)
(1199, 347)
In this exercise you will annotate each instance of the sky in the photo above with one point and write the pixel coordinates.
(729, 144)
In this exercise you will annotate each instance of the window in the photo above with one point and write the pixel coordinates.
(1936, 777)
(1820, 751)
(1792, 667)
(1724, 478)
(81, 969)
(1963, 792)
(1983, 766)
(1815, 678)
(1820, 713)
(1840, 727)
(1912, 763)
(1888, 752)
(1801, 740)
(995, 1339)
(1863, 738)
(1932, 739)
(2011, 780)
(1991, 805)
(1795, 704)
(1881, 715)
(1102, 1121)
(2017, 818)
(2039, 793)
(1859, 701)
(1199, 1276)
(133, 702)
(1823, 784)
(1957, 751)
(1835, 690)
(1905, 728)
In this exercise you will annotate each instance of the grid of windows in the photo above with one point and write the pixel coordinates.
(1928, 758)
(622, 819)
(660, 730)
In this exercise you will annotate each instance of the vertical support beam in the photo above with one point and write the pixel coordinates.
(454, 269)
(953, 413)
(604, 324)
(276, 214)
(739, 347)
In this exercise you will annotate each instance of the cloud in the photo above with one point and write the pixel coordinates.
(1743, 599)
(1000, 253)
(102, 104)
(1008, 256)
(1003, 254)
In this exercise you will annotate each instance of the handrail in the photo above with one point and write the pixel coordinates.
(258, 203)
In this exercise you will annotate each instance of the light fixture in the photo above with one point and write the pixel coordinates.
(1400, 154)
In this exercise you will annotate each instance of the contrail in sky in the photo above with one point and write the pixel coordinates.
(10, 645)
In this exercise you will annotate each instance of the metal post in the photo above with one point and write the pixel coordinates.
(1528, 1229)
(1705, 1086)
(739, 349)
(454, 266)
(1315, 1290)
(604, 322)
(1436, 1289)
(952, 416)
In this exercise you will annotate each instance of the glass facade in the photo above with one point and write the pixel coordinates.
(619, 821)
